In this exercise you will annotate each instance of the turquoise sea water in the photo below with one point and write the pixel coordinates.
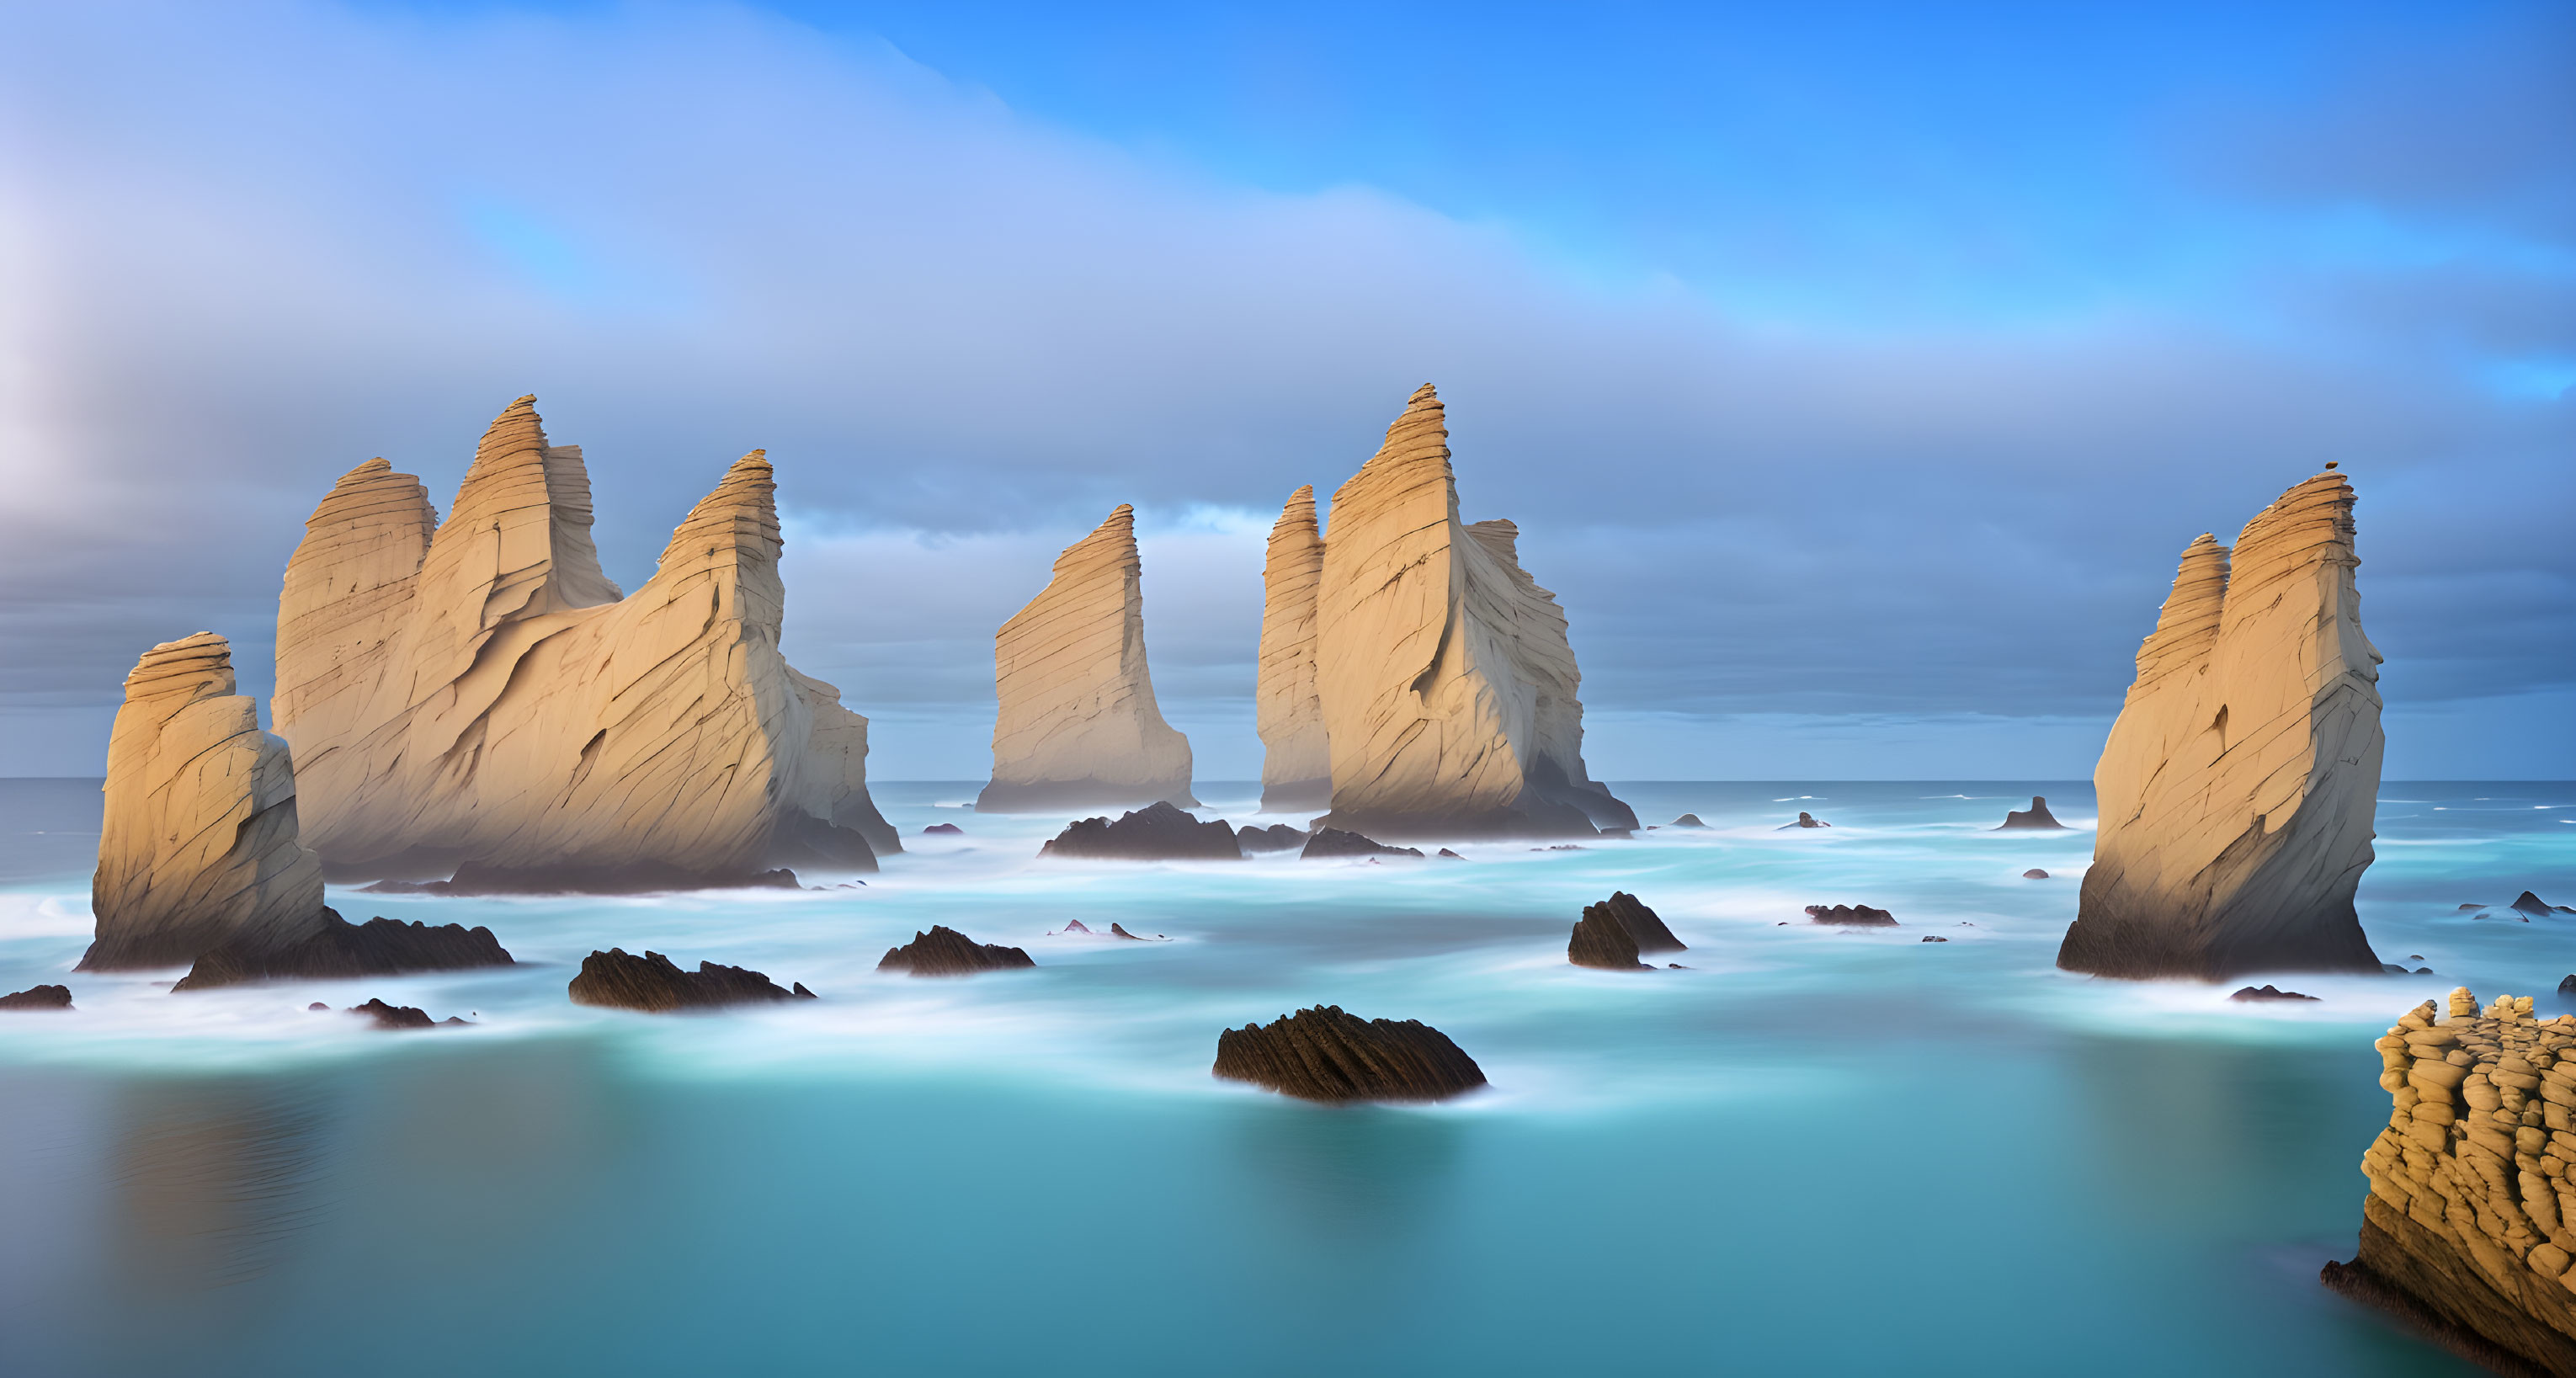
(1815, 1151)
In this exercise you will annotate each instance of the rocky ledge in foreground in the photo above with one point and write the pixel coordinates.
(2036, 816)
(38, 998)
(2462, 1232)
(1323, 1054)
(655, 984)
(378, 947)
(946, 952)
(1333, 842)
(1156, 832)
(1851, 914)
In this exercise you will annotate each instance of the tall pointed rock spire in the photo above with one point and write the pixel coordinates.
(1297, 766)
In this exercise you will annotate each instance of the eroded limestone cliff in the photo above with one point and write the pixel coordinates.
(2237, 788)
(198, 845)
(477, 696)
(1078, 725)
(1297, 767)
(1443, 669)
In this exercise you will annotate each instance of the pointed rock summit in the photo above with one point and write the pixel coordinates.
(476, 696)
(198, 843)
(1443, 669)
(1078, 725)
(1297, 770)
(2237, 788)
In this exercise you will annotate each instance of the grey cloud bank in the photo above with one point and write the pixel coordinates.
(240, 253)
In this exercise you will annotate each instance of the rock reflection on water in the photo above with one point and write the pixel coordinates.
(213, 1180)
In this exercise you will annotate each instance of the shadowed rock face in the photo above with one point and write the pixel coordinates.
(2268, 992)
(199, 842)
(1078, 724)
(1278, 837)
(340, 949)
(476, 693)
(2036, 816)
(1447, 683)
(1333, 842)
(38, 998)
(1297, 766)
(653, 983)
(946, 952)
(1688, 820)
(1157, 832)
(1642, 923)
(1323, 1054)
(386, 1016)
(2464, 1232)
(2238, 785)
(1600, 940)
(1860, 914)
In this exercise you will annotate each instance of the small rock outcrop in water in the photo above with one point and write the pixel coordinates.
(1688, 820)
(38, 998)
(2238, 786)
(378, 947)
(1296, 765)
(2036, 816)
(1278, 837)
(2567, 985)
(1323, 1054)
(1157, 832)
(943, 830)
(946, 952)
(653, 983)
(2531, 906)
(1333, 842)
(2268, 992)
(479, 693)
(199, 843)
(1600, 940)
(1851, 914)
(2034, 873)
(1447, 683)
(1805, 820)
(1642, 923)
(2464, 1232)
(1078, 724)
(400, 1016)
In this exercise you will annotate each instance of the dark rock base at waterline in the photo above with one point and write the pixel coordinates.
(1157, 832)
(38, 998)
(655, 984)
(1600, 941)
(341, 949)
(944, 951)
(1851, 914)
(400, 1016)
(2406, 1271)
(1333, 842)
(1323, 1054)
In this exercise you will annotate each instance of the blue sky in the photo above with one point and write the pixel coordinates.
(1854, 371)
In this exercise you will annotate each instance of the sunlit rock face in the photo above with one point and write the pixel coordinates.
(477, 694)
(1443, 669)
(2465, 1231)
(198, 844)
(2237, 788)
(1078, 725)
(1297, 766)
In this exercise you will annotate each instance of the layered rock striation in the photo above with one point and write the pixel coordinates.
(1447, 684)
(337, 949)
(1324, 1054)
(477, 693)
(1600, 940)
(1644, 927)
(2237, 788)
(199, 844)
(657, 985)
(1297, 766)
(2466, 1230)
(944, 951)
(1078, 724)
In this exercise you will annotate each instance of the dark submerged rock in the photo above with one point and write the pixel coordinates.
(2470, 908)
(1601, 941)
(653, 983)
(1930, 939)
(1156, 832)
(1075, 926)
(2531, 905)
(1278, 837)
(1445, 852)
(1688, 820)
(1116, 931)
(944, 951)
(2036, 816)
(1805, 820)
(2034, 873)
(1642, 924)
(341, 949)
(2566, 986)
(1323, 1054)
(398, 1016)
(48, 998)
(1851, 914)
(2269, 992)
(1332, 842)
(943, 830)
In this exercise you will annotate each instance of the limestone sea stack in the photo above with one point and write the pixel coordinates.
(1078, 724)
(1324, 1054)
(2465, 1231)
(1447, 683)
(2237, 788)
(1296, 767)
(199, 843)
(476, 694)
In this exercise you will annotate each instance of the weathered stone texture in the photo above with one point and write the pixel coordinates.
(1297, 767)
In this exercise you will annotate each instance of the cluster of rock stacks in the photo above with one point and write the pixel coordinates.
(1613, 934)
(655, 984)
(477, 694)
(2237, 788)
(1078, 723)
(2467, 1227)
(1413, 669)
(1324, 1054)
(944, 951)
(1157, 832)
